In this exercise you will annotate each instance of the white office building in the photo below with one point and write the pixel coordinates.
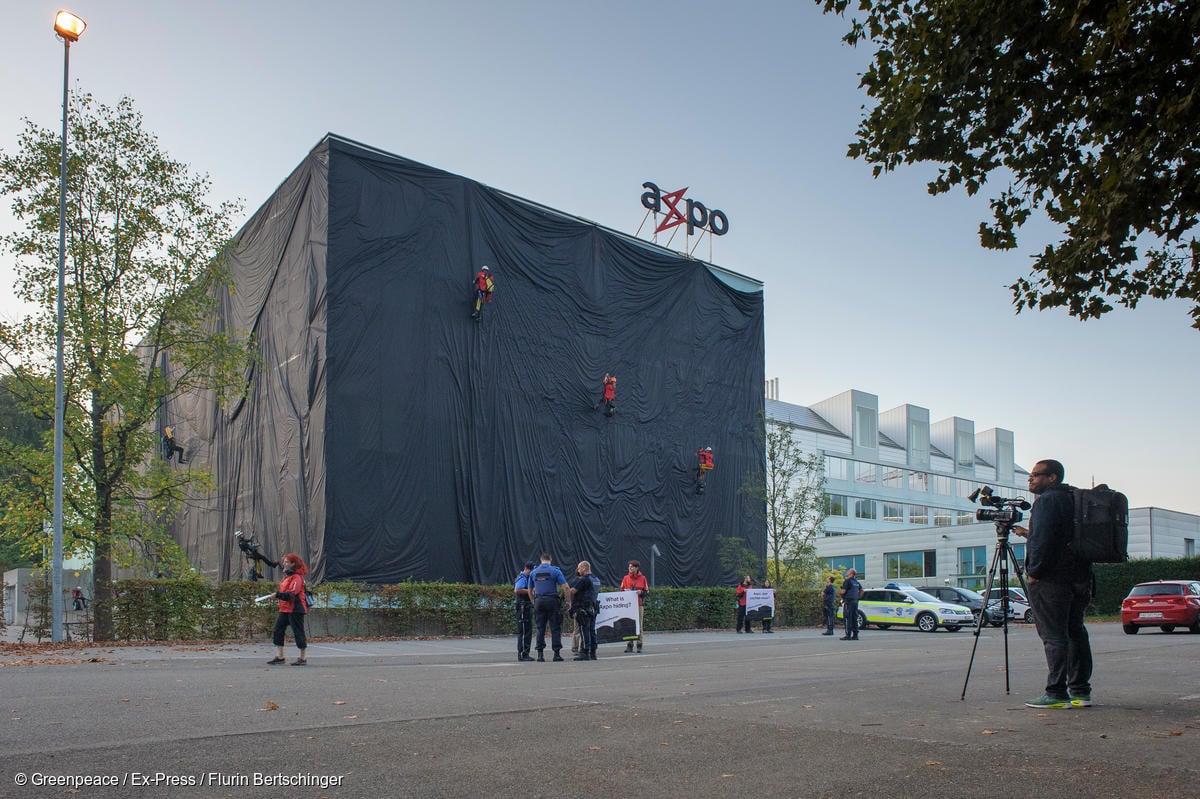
(898, 487)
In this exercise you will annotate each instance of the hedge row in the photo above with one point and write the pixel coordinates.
(191, 609)
(1113, 580)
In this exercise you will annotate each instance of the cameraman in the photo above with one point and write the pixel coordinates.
(1059, 590)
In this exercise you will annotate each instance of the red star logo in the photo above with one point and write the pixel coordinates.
(674, 216)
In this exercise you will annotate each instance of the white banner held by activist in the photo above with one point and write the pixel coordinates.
(760, 604)
(617, 621)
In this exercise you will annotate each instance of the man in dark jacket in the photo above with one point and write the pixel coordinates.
(829, 604)
(1060, 587)
(851, 592)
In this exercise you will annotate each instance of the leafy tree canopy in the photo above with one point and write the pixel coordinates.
(143, 274)
(1089, 109)
(791, 497)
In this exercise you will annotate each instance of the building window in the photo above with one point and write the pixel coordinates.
(900, 565)
(840, 563)
(972, 560)
(943, 485)
(1018, 551)
(893, 478)
(866, 427)
(864, 509)
(918, 481)
(964, 443)
(836, 505)
(918, 442)
(918, 514)
(965, 487)
(836, 468)
(866, 473)
(942, 517)
(1189, 547)
(893, 513)
(965, 517)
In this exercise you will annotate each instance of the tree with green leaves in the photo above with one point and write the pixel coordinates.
(143, 268)
(1088, 110)
(791, 492)
(20, 430)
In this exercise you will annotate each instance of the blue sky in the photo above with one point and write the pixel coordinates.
(870, 283)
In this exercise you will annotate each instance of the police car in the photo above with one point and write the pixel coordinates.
(904, 605)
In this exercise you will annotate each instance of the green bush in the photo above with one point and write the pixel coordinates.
(191, 609)
(1113, 580)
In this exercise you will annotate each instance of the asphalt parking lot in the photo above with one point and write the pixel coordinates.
(793, 714)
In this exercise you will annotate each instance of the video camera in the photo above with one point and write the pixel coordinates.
(1006, 512)
(250, 549)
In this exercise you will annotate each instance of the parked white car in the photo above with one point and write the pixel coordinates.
(884, 607)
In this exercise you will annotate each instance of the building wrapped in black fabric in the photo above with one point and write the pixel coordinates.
(386, 436)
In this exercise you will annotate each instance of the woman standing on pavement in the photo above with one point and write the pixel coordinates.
(292, 607)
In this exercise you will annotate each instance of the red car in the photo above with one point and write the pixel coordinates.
(1165, 604)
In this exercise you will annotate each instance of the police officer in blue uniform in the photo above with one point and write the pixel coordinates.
(523, 592)
(547, 581)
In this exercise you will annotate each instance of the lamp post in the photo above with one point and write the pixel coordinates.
(69, 28)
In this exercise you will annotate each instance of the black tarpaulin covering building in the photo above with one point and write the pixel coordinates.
(387, 436)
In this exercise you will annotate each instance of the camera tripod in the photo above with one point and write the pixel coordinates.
(1000, 561)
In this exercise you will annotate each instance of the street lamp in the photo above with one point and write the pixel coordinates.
(654, 552)
(69, 28)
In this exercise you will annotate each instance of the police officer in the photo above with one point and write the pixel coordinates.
(523, 591)
(583, 610)
(547, 581)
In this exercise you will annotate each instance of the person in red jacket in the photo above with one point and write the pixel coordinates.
(636, 581)
(705, 456)
(484, 286)
(742, 587)
(292, 607)
(608, 399)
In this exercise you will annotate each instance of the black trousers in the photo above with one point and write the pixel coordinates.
(524, 613)
(850, 617)
(586, 622)
(547, 611)
(296, 620)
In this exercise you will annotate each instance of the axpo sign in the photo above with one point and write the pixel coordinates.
(694, 214)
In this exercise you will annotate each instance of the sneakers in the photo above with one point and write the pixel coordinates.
(1080, 700)
(1045, 701)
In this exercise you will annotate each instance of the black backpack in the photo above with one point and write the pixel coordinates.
(1100, 531)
